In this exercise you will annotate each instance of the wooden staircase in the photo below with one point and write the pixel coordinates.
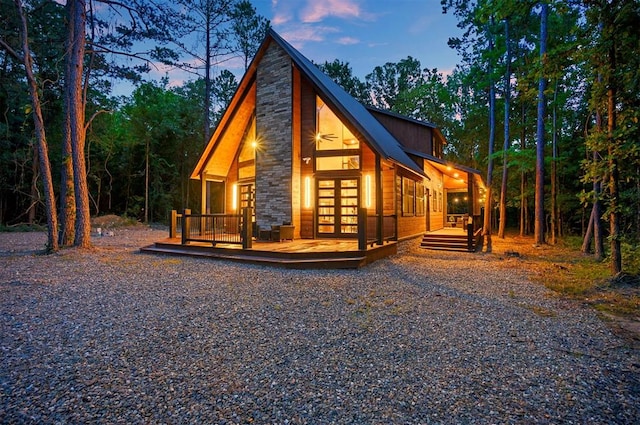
(448, 242)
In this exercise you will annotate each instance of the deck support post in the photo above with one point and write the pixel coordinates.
(186, 228)
(173, 224)
(469, 228)
(362, 229)
(247, 228)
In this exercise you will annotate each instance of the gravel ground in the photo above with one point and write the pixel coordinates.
(115, 336)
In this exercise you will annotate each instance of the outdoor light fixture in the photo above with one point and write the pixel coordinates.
(367, 191)
(234, 197)
(254, 144)
(307, 192)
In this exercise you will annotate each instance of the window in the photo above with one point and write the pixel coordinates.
(336, 146)
(419, 199)
(408, 196)
(247, 156)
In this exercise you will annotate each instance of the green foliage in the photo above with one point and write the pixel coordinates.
(631, 258)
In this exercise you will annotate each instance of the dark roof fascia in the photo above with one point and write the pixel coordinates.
(442, 161)
(376, 134)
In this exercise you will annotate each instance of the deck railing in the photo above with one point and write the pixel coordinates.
(211, 228)
(372, 233)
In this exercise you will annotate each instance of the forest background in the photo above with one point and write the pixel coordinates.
(546, 101)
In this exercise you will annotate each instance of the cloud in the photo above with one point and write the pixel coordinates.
(316, 11)
(299, 34)
(348, 41)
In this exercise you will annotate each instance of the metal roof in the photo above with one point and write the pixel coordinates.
(375, 133)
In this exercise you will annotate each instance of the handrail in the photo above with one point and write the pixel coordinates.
(210, 228)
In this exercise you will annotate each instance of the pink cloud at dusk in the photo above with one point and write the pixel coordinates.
(318, 10)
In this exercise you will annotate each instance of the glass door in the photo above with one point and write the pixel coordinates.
(337, 214)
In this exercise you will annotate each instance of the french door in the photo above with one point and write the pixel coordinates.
(337, 212)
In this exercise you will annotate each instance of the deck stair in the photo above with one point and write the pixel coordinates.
(447, 242)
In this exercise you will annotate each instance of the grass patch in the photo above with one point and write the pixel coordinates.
(567, 271)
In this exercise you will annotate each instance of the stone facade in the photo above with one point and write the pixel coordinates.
(274, 133)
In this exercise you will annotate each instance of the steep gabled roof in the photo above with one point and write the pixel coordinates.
(375, 133)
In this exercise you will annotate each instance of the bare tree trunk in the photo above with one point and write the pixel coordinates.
(207, 75)
(35, 195)
(505, 147)
(43, 148)
(588, 235)
(539, 219)
(77, 21)
(554, 178)
(67, 195)
(488, 205)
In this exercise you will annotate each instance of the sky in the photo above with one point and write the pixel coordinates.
(364, 33)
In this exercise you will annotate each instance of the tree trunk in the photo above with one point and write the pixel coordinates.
(588, 234)
(43, 148)
(554, 158)
(207, 77)
(488, 205)
(539, 219)
(505, 147)
(35, 195)
(67, 195)
(77, 20)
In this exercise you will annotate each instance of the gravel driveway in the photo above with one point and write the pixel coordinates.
(114, 336)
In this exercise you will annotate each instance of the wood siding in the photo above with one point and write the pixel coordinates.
(307, 98)
(412, 135)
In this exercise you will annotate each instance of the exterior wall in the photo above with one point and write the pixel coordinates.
(232, 179)
(437, 201)
(368, 169)
(307, 131)
(412, 135)
(412, 225)
(274, 130)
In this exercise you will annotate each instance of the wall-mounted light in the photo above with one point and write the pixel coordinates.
(367, 191)
(307, 192)
(234, 197)
(254, 144)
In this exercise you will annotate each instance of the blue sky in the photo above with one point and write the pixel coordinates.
(364, 33)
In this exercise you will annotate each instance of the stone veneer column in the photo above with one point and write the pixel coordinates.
(273, 128)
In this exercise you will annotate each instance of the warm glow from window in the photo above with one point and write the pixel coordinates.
(307, 192)
(367, 191)
(234, 197)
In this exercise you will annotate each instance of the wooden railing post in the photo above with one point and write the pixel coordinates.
(186, 225)
(470, 237)
(173, 224)
(247, 228)
(362, 229)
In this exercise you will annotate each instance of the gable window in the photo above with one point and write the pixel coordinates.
(247, 156)
(336, 146)
(408, 196)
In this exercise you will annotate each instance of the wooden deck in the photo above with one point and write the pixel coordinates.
(299, 253)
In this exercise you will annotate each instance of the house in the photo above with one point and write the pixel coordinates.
(298, 154)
